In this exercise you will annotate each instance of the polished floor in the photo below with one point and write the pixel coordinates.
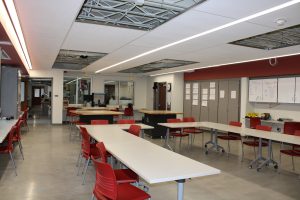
(49, 172)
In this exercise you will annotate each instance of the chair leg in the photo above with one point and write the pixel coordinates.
(21, 149)
(79, 164)
(254, 152)
(242, 151)
(180, 143)
(203, 139)
(79, 156)
(84, 170)
(92, 198)
(12, 159)
(228, 147)
(280, 158)
(293, 163)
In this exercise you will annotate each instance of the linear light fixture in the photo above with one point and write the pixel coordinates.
(13, 29)
(232, 63)
(250, 17)
(76, 79)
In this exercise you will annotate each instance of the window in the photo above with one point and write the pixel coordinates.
(119, 92)
(75, 88)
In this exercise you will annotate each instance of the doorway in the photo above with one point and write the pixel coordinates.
(160, 96)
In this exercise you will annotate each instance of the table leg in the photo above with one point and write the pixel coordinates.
(167, 137)
(180, 189)
(214, 142)
(143, 133)
(259, 154)
(269, 159)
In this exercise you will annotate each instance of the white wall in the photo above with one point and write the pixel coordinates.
(140, 85)
(57, 92)
(176, 92)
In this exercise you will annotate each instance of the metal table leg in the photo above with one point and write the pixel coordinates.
(143, 133)
(180, 189)
(214, 142)
(167, 140)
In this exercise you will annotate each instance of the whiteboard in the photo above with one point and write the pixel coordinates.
(269, 90)
(286, 90)
(297, 92)
(255, 90)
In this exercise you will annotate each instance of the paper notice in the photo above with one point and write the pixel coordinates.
(195, 96)
(187, 97)
(204, 91)
(195, 85)
(212, 91)
(188, 85)
(212, 84)
(195, 90)
(204, 97)
(195, 102)
(222, 94)
(204, 103)
(233, 94)
(212, 97)
(188, 91)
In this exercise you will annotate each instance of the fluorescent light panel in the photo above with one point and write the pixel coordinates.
(232, 63)
(11, 27)
(250, 17)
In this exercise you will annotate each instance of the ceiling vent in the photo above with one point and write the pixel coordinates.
(158, 65)
(281, 38)
(75, 60)
(135, 14)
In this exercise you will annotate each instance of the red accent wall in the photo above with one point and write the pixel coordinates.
(286, 66)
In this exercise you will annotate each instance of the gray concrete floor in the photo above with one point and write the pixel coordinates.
(49, 171)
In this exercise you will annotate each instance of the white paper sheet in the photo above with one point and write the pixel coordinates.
(204, 97)
(187, 97)
(233, 94)
(188, 85)
(212, 91)
(195, 85)
(212, 97)
(188, 91)
(222, 94)
(212, 84)
(204, 103)
(195, 96)
(195, 102)
(195, 90)
(204, 91)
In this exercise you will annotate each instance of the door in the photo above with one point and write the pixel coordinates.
(233, 100)
(223, 102)
(36, 95)
(162, 91)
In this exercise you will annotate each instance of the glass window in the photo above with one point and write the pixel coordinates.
(119, 92)
(36, 92)
(84, 85)
(75, 88)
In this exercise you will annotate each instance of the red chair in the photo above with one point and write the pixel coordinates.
(128, 112)
(87, 150)
(176, 132)
(231, 136)
(99, 122)
(294, 150)
(135, 130)
(8, 147)
(17, 136)
(122, 175)
(24, 117)
(126, 121)
(192, 131)
(254, 142)
(107, 188)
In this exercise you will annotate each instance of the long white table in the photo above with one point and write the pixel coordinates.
(270, 136)
(151, 162)
(5, 126)
(126, 127)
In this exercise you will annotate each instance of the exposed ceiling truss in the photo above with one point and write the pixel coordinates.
(286, 37)
(135, 14)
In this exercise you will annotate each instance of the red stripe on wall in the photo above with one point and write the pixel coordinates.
(286, 66)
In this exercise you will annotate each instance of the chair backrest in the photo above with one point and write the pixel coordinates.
(106, 184)
(18, 128)
(102, 150)
(188, 119)
(291, 127)
(264, 128)
(254, 121)
(128, 112)
(297, 132)
(173, 120)
(99, 121)
(135, 130)
(234, 123)
(126, 121)
(10, 138)
(86, 144)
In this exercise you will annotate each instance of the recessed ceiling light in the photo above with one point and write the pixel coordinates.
(244, 19)
(280, 22)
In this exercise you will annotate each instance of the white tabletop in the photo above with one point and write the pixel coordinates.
(121, 126)
(239, 130)
(151, 162)
(5, 126)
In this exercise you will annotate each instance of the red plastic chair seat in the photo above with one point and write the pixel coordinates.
(175, 134)
(255, 143)
(229, 137)
(192, 130)
(129, 192)
(291, 152)
(4, 149)
(126, 176)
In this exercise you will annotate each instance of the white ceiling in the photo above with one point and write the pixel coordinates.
(49, 26)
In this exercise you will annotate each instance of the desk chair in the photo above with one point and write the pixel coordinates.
(294, 151)
(128, 113)
(254, 142)
(99, 122)
(24, 117)
(8, 146)
(177, 132)
(135, 130)
(122, 175)
(88, 149)
(230, 136)
(17, 136)
(192, 131)
(126, 121)
(106, 186)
